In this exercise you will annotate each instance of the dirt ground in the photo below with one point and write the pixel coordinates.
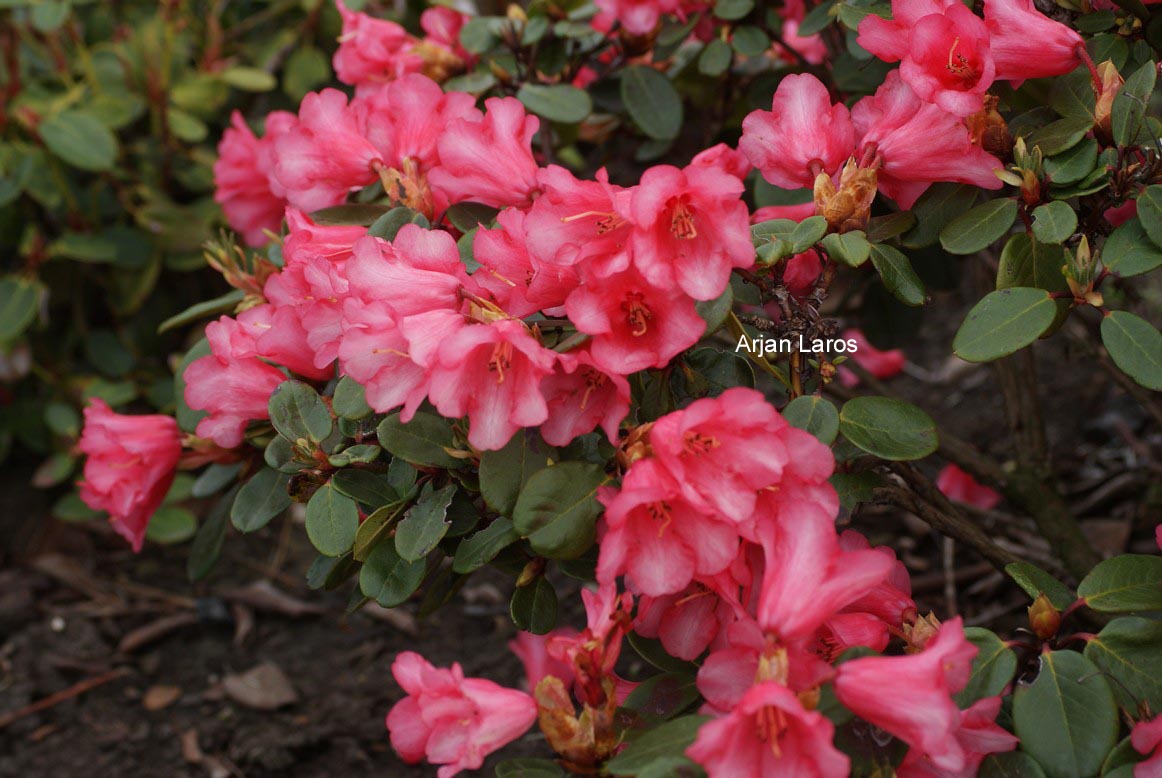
(170, 657)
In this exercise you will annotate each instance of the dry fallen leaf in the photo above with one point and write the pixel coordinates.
(263, 687)
(158, 697)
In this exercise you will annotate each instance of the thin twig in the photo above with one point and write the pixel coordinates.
(65, 694)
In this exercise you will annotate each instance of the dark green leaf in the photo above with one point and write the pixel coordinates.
(1135, 346)
(942, 203)
(504, 473)
(170, 525)
(666, 743)
(424, 441)
(1066, 719)
(19, 302)
(1128, 252)
(467, 216)
(888, 226)
(854, 488)
(224, 304)
(888, 428)
(558, 508)
(714, 312)
(807, 233)
(480, 549)
(349, 214)
(534, 607)
(208, 541)
(975, 230)
(1150, 213)
(374, 529)
(652, 102)
(1129, 649)
(557, 102)
(1129, 582)
(992, 669)
(387, 578)
(814, 414)
(260, 499)
(361, 454)
(663, 696)
(299, 414)
(1003, 322)
(388, 225)
(1060, 135)
(897, 274)
(1013, 764)
(424, 525)
(715, 58)
(1129, 108)
(372, 489)
(529, 768)
(1054, 222)
(732, 10)
(80, 140)
(850, 248)
(1036, 582)
(349, 401)
(332, 521)
(1074, 165)
(749, 41)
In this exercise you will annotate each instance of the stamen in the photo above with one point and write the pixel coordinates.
(501, 360)
(682, 221)
(638, 314)
(697, 443)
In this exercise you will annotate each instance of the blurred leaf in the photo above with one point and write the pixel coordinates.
(80, 140)
(652, 102)
(715, 58)
(170, 525)
(664, 744)
(307, 68)
(19, 302)
(534, 607)
(815, 415)
(248, 79)
(558, 102)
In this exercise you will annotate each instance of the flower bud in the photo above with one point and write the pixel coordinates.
(1104, 94)
(920, 632)
(1044, 618)
(989, 130)
(848, 207)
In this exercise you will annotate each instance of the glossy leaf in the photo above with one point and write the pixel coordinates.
(814, 414)
(1003, 322)
(1125, 583)
(992, 669)
(557, 509)
(1129, 649)
(1135, 346)
(897, 274)
(888, 428)
(424, 441)
(977, 229)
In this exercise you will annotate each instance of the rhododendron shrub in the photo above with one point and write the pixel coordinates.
(470, 335)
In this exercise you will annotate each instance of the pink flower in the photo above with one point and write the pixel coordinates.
(593, 653)
(279, 336)
(638, 17)
(978, 736)
(1146, 737)
(881, 364)
(489, 160)
(919, 143)
(326, 155)
(520, 283)
(131, 465)
(656, 537)
(419, 272)
(375, 352)
(373, 49)
(801, 273)
(231, 382)
(451, 720)
(533, 652)
(801, 134)
(244, 183)
(944, 48)
(581, 396)
(1027, 44)
(890, 601)
(1123, 213)
(492, 374)
(911, 696)
(723, 158)
(443, 25)
(959, 486)
(796, 213)
(577, 222)
(769, 733)
(690, 228)
(305, 239)
(686, 622)
(634, 324)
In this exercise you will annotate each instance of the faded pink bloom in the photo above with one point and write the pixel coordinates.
(1026, 43)
(451, 720)
(978, 735)
(373, 50)
(919, 143)
(944, 49)
(638, 17)
(1146, 737)
(489, 160)
(231, 382)
(490, 373)
(130, 467)
(802, 134)
(959, 486)
(533, 652)
(911, 696)
(244, 183)
(325, 155)
(690, 228)
(581, 396)
(576, 222)
(634, 324)
(593, 653)
(658, 539)
(769, 733)
(881, 364)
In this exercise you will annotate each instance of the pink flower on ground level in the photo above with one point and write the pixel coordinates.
(451, 720)
(911, 696)
(881, 364)
(978, 735)
(244, 184)
(802, 128)
(1026, 43)
(690, 228)
(130, 467)
(1146, 738)
(959, 486)
(769, 733)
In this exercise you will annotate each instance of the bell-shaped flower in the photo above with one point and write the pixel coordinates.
(581, 396)
(489, 160)
(1026, 43)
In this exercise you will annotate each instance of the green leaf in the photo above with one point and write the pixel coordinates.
(814, 414)
(360, 453)
(1071, 95)
(749, 40)
(818, 18)
(558, 102)
(1054, 222)
(1013, 764)
(1128, 650)
(1073, 165)
(1150, 213)
(1128, 252)
(372, 489)
(467, 216)
(807, 233)
(529, 768)
(387, 225)
(1036, 582)
(260, 499)
(884, 228)
(975, 230)
(715, 58)
(299, 414)
(935, 209)
(170, 525)
(1129, 582)
(350, 215)
(389, 579)
(852, 14)
(1129, 109)
(350, 401)
(888, 428)
(663, 696)
(534, 607)
(19, 301)
(714, 312)
(1135, 346)
(1060, 135)
(992, 669)
(332, 521)
(306, 69)
(80, 140)
(424, 441)
(1003, 322)
(374, 529)
(652, 102)
(850, 248)
(665, 743)
(480, 549)
(733, 10)
(558, 508)
(248, 79)
(854, 488)
(1123, 756)
(1028, 263)
(481, 33)
(424, 525)
(504, 473)
(1066, 719)
(224, 304)
(897, 274)
(208, 541)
